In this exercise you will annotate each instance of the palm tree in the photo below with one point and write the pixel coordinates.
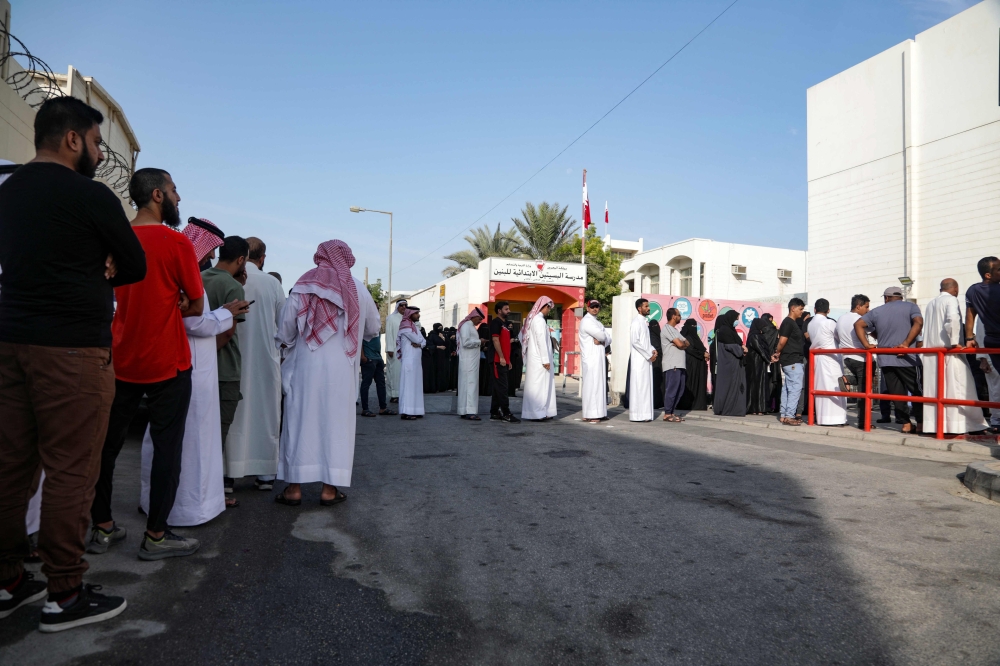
(545, 229)
(484, 243)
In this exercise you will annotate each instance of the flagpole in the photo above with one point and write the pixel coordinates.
(583, 239)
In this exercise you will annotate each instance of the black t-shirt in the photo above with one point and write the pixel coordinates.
(791, 353)
(985, 298)
(56, 230)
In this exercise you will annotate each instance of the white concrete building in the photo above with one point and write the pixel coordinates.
(904, 163)
(622, 249)
(711, 269)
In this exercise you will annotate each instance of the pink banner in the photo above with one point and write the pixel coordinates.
(706, 310)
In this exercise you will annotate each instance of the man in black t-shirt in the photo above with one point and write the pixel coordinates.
(500, 337)
(791, 344)
(983, 300)
(65, 242)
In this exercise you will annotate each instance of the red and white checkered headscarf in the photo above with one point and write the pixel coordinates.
(405, 323)
(204, 240)
(476, 312)
(326, 291)
(535, 309)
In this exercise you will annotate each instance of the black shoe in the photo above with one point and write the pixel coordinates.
(88, 608)
(228, 484)
(393, 399)
(28, 591)
(883, 421)
(264, 485)
(510, 418)
(496, 417)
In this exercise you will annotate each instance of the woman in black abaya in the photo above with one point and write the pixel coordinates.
(452, 359)
(758, 367)
(730, 391)
(770, 332)
(654, 339)
(427, 365)
(696, 389)
(439, 350)
(516, 359)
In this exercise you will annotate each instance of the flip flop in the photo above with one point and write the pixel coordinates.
(235, 503)
(336, 500)
(280, 499)
(369, 414)
(387, 412)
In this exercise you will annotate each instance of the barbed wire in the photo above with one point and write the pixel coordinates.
(36, 84)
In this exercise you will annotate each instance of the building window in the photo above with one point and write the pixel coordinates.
(701, 282)
(685, 274)
(654, 284)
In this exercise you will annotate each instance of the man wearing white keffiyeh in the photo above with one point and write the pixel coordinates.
(539, 401)
(324, 319)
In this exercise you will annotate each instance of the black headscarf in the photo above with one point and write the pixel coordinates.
(690, 332)
(654, 336)
(725, 334)
(768, 330)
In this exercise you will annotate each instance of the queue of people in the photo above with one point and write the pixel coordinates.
(98, 315)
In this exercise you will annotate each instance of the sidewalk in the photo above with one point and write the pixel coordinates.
(882, 433)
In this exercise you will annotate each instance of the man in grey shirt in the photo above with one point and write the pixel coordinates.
(897, 323)
(674, 364)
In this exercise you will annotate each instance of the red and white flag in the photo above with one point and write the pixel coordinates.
(605, 212)
(586, 203)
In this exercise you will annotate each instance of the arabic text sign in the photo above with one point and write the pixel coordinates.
(536, 272)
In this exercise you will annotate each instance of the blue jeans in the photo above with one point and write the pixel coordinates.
(791, 388)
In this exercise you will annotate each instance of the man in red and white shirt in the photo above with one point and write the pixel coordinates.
(152, 359)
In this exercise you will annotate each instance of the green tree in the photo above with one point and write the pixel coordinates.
(604, 270)
(545, 230)
(380, 296)
(484, 244)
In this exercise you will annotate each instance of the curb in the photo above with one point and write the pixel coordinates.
(988, 448)
(983, 478)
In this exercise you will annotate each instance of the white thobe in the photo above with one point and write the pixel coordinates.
(539, 388)
(391, 362)
(200, 493)
(640, 386)
(411, 374)
(827, 370)
(992, 375)
(594, 362)
(252, 444)
(468, 369)
(33, 519)
(317, 438)
(943, 327)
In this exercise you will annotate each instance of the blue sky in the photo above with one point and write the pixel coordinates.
(275, 118)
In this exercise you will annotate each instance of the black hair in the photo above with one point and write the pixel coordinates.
(640, 301)
(671, 312)
(257, 248)
(499, 306)
(143, 182)
(985, 266)
(822, 305)
(60, 115)
(796, 301)
(233, 248)
(276, 276)
(857, 300)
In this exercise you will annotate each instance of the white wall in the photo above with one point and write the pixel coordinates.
(761, 282)
(855, 163)
(460, 290)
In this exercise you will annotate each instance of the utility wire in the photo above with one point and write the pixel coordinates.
(573, 142)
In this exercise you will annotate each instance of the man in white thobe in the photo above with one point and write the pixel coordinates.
(252, 445)
(831, 410)
(538, 402)
(641, 356)
(325, 319)
(469, 345)
(943, 327)
(593, 382)
(392, 364)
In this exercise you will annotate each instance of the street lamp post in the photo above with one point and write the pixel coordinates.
(356, 209)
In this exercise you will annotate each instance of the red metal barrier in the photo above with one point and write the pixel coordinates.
(939, 402)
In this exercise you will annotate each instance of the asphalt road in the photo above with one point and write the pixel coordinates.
(567, 543)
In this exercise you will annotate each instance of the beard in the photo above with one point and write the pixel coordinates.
(171, 214)
(85, 164)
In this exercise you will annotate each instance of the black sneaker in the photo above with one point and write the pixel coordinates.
(88, 608)
(28, 590)
(264, 485)
(496, 417)
(510, 418)
(100, 540)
